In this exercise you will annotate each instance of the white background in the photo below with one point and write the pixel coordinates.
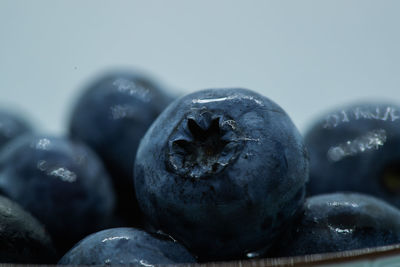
(307, 56)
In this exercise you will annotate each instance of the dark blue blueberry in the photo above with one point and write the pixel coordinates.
(22, 238)
(357, 148)
(126, 246)
(339, 222)
(12, 125)
(111, 116)
(222, 171)
(62, 183)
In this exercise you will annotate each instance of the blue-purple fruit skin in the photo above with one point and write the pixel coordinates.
(339, 222)
(22, 238)
(111, 116)
(357, 148)
(62, 183)
(222, 171)
(123, 246)
(12, 125)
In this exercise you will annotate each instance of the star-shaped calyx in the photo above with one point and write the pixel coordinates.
(203, 144)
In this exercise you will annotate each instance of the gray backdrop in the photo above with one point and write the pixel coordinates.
(307, 56)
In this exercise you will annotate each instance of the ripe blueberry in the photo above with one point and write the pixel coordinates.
(22, 238)
(338, 222)
(222, 171)
(112, 116)
(126, 246)
(357, 148)
(12, 125)
(62, 183)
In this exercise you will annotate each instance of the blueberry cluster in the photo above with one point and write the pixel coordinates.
(144, 178)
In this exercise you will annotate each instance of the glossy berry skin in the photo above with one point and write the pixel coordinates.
(111, 116)
(62, 183)
(357, 148)
(126, 246)
(339, 222)
(221, 170)
(12, 125)
(22, 238)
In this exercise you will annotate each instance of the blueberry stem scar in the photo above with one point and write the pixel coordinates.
(203, 144)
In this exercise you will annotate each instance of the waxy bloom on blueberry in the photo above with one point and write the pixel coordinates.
(357, 148)
(126, 246)
(222, 171)
(23, 239)
(61, 182)
(338, 222)
(111, 116)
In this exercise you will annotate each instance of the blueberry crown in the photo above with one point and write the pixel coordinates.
(203, 144)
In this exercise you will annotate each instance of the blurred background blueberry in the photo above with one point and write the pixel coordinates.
(339, 222)
(357, 148)
(126, 246)
(62, 183)
(22, 238)
(12, 125)
(111, 116)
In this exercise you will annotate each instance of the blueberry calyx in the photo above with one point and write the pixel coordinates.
(203, 144)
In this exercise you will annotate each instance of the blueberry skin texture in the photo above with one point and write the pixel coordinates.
(339, 222)
(12, 125)
(221, 170)
(123, 246)
(22, 238)
(62, 183)
(111, 116)
(357, 148)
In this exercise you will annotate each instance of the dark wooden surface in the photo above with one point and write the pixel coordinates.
(308, 260)
(315, 259)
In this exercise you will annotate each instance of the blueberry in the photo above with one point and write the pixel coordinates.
(12, 125)
(339, 222)
(22, 238)
(126, 246)
(111, 116)
(222, 171)
(62, 183)
(357, 148)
